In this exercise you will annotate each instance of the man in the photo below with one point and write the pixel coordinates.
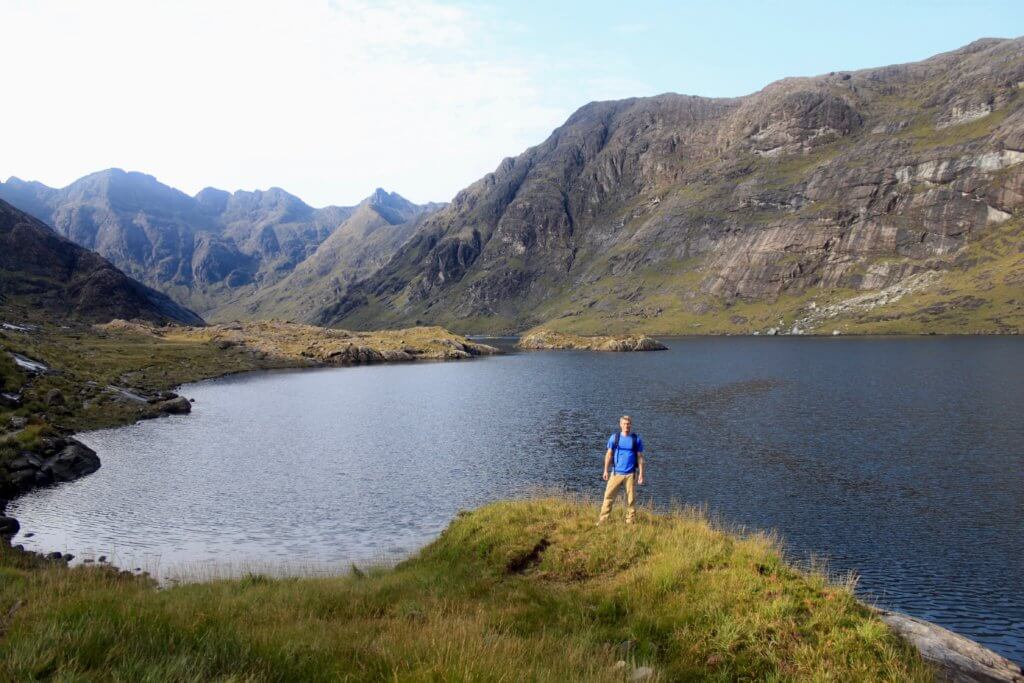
(625, 456)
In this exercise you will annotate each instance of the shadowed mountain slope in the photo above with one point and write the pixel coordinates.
(39, 269)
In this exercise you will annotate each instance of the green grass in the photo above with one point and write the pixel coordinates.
(88, 360)
(982, 293)
(526, 590)
(924, 135)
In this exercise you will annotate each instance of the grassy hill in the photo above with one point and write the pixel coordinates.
(526, 590)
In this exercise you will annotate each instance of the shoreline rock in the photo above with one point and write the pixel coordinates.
(958, 658)
(549, 340)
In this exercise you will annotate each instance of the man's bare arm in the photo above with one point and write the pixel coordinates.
(607, 464)
(640, 468)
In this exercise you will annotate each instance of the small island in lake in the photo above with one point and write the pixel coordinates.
(550, 340)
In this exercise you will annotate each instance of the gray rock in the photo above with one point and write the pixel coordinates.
(175, 406)
(958, 658)
(23, 480)
(8, 526)
(641, 673)
(25, 460)
(55, 398)
(74, 461)
(18, 422)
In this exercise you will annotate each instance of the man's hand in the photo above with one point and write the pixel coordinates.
(640, 480)
(605, 475)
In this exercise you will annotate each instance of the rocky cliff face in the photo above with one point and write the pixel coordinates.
(208, 251)
(673, 212)
(39, 269)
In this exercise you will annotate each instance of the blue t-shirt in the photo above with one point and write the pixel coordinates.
(624, 461)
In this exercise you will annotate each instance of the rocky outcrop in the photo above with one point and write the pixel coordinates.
(679, 208)
(548, 340)
(56, 460)
(957, 658)
(296, 344)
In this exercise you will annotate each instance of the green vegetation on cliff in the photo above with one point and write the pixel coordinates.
(527, 590)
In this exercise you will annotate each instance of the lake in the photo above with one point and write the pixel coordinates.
(900, 459)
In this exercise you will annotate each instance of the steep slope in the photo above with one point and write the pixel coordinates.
(212, 250)
(679, 214)
(361, 244)
(41, 270)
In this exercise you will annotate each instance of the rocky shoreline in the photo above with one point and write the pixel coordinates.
(61, 459)
(56, 457)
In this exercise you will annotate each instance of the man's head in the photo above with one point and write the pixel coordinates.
(625, 424)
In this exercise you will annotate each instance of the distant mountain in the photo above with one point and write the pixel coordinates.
(362, 243)
(886, 199)
(209, 251)
(41, 270)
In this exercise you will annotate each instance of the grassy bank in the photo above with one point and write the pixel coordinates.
(526, 590)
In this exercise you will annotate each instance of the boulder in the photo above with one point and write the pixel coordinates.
(55, 398)
(175, 406)
(957, 658)
(24, 461)
(23, 480)
(8, 526)
(355, 355)
(74, 461)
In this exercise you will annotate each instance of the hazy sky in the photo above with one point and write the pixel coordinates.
(330, 99)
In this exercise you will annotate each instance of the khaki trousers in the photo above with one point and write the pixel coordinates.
(614, 482)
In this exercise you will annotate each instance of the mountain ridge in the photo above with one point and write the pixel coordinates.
(212, 249)
(675, 212)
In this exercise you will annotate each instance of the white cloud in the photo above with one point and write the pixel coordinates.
(327, 100)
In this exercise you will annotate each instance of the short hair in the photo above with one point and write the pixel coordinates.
(625, 417)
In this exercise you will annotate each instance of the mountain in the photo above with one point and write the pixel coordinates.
(362, 243)
(211, 250)
(885, 199)
(40, 270)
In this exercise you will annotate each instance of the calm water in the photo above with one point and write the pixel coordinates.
(900, 459)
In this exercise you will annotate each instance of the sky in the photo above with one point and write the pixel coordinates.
(330, 99)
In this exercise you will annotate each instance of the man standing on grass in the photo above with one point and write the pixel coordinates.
(625, 456)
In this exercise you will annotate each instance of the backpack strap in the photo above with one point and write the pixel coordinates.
(636, 443)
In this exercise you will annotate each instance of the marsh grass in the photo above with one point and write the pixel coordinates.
(517, 590)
